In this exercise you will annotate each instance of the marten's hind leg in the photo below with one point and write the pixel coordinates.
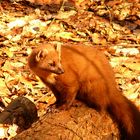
(95, 94)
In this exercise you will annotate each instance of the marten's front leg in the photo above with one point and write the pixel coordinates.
(65, 97)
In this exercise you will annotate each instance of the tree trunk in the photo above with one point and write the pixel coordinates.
(78, 123)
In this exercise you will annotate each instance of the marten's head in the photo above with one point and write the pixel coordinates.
(45, 59)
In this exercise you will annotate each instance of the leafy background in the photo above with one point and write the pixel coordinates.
(112, 26)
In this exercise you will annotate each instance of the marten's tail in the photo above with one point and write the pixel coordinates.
(127, 116)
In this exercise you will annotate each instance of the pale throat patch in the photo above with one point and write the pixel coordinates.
(51, 78)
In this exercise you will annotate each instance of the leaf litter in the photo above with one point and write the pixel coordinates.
(112, 26)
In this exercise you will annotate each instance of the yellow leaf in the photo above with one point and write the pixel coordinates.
(3, 88)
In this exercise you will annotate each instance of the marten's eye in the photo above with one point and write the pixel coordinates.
(51, 63)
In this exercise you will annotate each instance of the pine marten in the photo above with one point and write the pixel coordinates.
(84, 73)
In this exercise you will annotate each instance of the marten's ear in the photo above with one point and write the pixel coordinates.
(55, 46)
(41, 54)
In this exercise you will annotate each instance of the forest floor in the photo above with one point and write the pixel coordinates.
(113, 27)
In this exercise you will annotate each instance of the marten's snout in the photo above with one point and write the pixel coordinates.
(60, 70)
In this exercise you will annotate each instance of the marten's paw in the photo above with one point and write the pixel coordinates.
(64, 107)
(52, 109)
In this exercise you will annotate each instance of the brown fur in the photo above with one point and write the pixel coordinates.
(85, 73)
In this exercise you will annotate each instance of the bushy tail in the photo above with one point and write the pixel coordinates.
(127, 116)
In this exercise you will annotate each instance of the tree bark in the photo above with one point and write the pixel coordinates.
(78, 123)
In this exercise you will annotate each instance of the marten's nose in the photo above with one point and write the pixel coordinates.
(60, 70)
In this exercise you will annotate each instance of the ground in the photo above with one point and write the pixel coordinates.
(113, 27)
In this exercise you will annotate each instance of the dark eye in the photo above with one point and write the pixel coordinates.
(52, 63)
